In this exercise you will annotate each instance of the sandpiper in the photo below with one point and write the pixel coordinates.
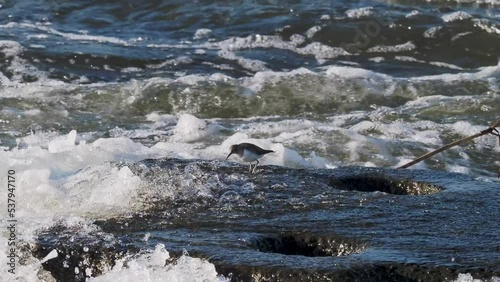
(248, 153)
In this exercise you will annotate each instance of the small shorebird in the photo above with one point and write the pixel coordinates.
(248, 153)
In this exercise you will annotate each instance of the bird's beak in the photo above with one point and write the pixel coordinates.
(229, 155)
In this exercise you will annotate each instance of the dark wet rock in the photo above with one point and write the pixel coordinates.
(73, 264)
(307, 245)
(99, 259)
(359, 273)
(381, 183)
(93, 254)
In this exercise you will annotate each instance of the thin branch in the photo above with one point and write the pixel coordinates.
(490, 130)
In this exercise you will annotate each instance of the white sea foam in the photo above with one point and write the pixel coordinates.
(412, 14)
(316, 49)
(418, 132)
(325, 17)
(255, 83)
(377, 59)
(407, 59)
(459, 169)
(131, 70)
(63, 143)
(431, 32)
(29, 271)
(18, 67)
(53, 254)
(160, 120)
(321, 51)
(445, 65)
(297, 39)
(460, 35)
(482, 73)
(150, 266)
(249, 64)
(190, 128)
(67, 179)
(10, 48)
(408, 46)
(359, 12)
(71, 36)
(182, 60)
(202, 33)
(352, 72)
(486, 26)
(438, 64)
(312, 31)
(200, 51)
(493, 2)
(467, 277)
(85, 37)
(456, 16)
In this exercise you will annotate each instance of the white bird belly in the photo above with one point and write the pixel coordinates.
(249, 156)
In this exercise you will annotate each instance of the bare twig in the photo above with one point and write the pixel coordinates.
(490, 130)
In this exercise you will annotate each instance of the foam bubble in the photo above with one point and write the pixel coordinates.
(202, 33)
(103, 190)
(160, 120)
(297, 39)
(10, 48)
(446, 65)
(455, 16)
(18, 67)
(172, 62)
(483, 72)
(317, 49)
(432, 32)
(150, 266)
(408, 46)
(352, 72)
(29, 271)
(412, 14)
(467, 277)
(407, 59)
(71, 36)
(359, 12)
(458, 169)
(131, 70)
(190, 128)
(249, 64)
(377, 59)
(460, 35)
(256, 83)
(200, 52)
(321, 51)
(63, 143)
(486, 26)
(312, 31)
(53, 254)
(85, 37)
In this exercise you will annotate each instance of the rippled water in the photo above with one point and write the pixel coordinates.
(117, 116)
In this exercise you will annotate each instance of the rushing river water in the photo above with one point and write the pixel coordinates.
(116, 118)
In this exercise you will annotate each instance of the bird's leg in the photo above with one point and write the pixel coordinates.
(250, 167)
(253, 172)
